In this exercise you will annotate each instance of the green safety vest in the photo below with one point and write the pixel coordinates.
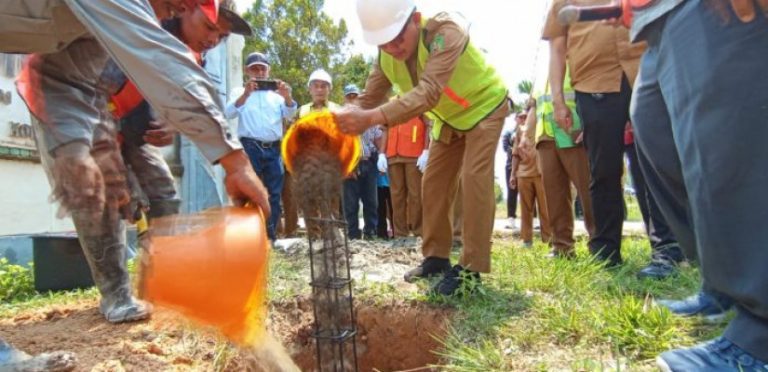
(304, 110)
(474, 91)
(545, 109)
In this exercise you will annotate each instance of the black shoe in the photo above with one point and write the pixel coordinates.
(660, 269)
(610, 259)
(351, 236)
(431, 266)
(456, 280)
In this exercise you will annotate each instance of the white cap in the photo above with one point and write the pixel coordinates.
(382, 20)
(320, 75)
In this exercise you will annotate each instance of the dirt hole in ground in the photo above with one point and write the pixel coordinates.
(391, 337)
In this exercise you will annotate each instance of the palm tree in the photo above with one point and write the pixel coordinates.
(525, 87)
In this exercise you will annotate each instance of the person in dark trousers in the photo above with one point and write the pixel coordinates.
(260, 116)
(667, 254)
(361, 186)
(385, 228)
(700, 121)
(603, 66)
(507, 144)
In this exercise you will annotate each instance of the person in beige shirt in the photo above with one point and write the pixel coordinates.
(603, 65)
(428, 55)
(526, 178)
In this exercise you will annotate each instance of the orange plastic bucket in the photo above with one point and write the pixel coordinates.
(319, 129)
(211, 267)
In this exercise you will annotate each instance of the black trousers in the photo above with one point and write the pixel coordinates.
(604, 116)
(385, 213)
(663, 241)
(511, 195)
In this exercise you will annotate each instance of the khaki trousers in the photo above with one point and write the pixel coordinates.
(469, 155)
(560, 167)
(405, 189)
(531, 190)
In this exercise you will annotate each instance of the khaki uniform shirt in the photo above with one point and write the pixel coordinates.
(428, 86)
(528, 166)
(598, 54)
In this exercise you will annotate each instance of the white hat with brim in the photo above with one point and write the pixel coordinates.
(387, 34)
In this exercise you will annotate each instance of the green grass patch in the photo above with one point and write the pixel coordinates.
(536, 313)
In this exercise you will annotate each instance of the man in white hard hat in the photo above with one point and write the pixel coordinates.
(437, 71)
(320, 85)
(261, 107)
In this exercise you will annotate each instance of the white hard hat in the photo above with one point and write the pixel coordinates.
(382, 20)
(320, 75)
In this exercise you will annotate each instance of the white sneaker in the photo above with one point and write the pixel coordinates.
(511, 224)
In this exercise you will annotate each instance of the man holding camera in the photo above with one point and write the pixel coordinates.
(261, 108)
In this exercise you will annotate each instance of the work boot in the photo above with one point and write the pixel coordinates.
(457, 279)
(103, 243)
(431, 266)
(16, 360)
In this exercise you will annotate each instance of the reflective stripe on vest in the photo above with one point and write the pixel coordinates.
(406, 139)
(474, 91)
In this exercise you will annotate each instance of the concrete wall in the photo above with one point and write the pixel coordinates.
(24, 188)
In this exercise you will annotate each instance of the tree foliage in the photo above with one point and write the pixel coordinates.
(525, 87)
(298, 37)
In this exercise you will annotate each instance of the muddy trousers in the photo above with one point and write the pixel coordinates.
(102, 237)
(700, 116)
(559, 168)
(470, 156)
(146, 161)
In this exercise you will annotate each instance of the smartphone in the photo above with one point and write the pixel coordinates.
(265, 84)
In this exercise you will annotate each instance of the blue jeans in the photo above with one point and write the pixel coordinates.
(362, 189)
(700, 109)
(268, 165)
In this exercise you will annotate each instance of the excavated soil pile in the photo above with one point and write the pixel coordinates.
(394, 336)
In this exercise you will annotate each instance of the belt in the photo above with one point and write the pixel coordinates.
(262, 144)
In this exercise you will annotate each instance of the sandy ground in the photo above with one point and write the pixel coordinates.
(166, 342)
(387, 332)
